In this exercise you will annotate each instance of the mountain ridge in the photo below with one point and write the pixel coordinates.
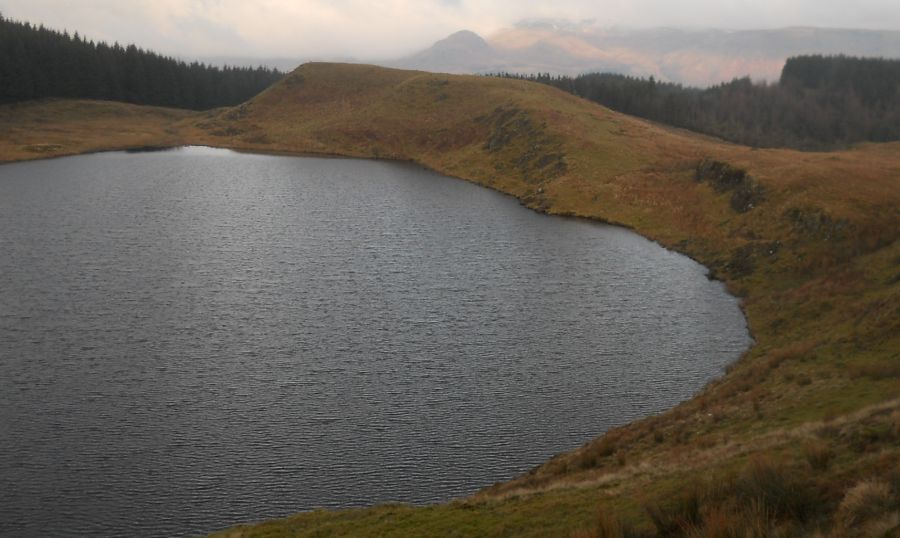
(692, 57)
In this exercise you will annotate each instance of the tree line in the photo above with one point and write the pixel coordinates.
(37, 63)
(820, 102)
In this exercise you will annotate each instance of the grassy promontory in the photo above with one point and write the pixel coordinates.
(59, 127)
(802, 435)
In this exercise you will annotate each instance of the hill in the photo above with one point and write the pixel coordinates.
(820, 102)
(801, 434)
(813, 253)
(700, 57)
(59, 127)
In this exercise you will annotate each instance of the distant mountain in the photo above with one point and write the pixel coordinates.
(692, 57)
(462, 52)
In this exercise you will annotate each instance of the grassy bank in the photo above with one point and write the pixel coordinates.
(800, 435)
(54, 128)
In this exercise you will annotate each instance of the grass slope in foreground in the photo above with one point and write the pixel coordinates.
(802, 433)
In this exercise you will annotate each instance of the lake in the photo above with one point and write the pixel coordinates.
(195, 338)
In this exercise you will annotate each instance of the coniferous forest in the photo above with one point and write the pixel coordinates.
(820, 102)
(36, 63)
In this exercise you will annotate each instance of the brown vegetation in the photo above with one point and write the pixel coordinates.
(53, 128)
(776, 444)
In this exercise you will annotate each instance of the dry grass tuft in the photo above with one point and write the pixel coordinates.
(751, 521)
(865, 501)
(672, 516)
(606, 525)
(818, 454)
(781, 490)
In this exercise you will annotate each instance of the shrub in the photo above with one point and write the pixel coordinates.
(757, 408)
(777, 489)
(877, 371)
(864, 501)
(751, 521)
(608, 526)
(591, 455)
(818, 454)
(871, 436)
(606, 447)
(677, 515)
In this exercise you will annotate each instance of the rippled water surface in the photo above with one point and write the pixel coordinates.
(196, 338)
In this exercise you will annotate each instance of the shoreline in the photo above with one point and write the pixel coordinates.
(808, 301)
(697, 271)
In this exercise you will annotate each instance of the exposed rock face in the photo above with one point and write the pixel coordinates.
(746, 192)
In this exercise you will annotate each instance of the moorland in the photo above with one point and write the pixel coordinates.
(799, 437)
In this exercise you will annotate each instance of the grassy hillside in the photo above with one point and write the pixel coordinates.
(801, 435)
(53, 128)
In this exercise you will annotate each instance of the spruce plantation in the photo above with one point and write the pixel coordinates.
(38, 63)
(820, 102)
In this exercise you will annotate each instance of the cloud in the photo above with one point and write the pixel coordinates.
(375, 29)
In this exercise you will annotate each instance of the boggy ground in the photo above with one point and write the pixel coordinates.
(801, 437)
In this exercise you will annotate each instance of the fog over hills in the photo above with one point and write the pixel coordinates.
(699, 57)
(694, 57)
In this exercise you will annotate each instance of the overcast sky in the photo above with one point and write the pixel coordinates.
(380, 29)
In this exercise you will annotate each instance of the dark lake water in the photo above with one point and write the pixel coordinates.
(196, 338)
